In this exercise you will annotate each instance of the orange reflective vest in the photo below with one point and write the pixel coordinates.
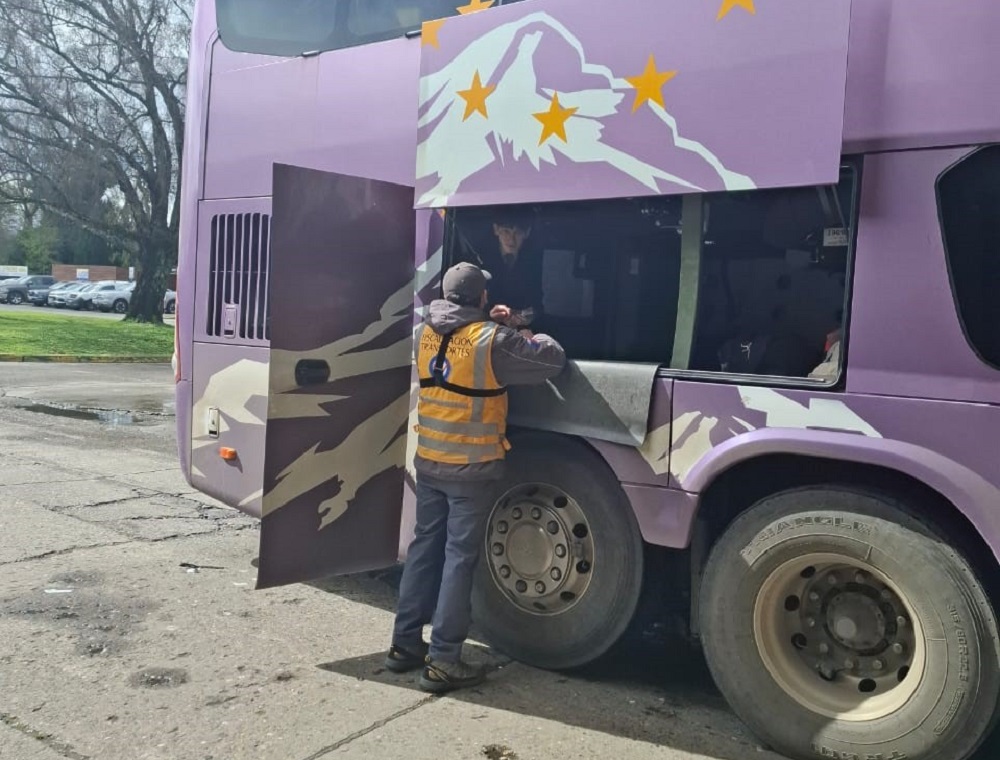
(462, 409)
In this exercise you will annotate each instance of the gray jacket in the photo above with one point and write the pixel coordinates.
(516, 361)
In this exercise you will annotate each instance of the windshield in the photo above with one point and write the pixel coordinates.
(293, 27)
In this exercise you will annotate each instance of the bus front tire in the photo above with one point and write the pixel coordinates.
(837, 625)
(561, 572)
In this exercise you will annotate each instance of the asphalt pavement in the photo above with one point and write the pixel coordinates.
(130, 628)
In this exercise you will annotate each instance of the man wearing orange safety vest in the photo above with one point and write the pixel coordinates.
(465, 362)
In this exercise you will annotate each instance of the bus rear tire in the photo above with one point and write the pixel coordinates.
(561, 572)
(837, 625)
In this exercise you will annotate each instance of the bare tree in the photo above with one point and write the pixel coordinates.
(96, 87)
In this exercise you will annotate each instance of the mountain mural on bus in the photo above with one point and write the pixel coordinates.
(535, 101)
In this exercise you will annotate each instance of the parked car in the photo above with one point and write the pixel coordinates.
(170, 302)
(116, 299)
(39, 296)
(84, 298)
(72, 299)
(58, 298)
(15, 292)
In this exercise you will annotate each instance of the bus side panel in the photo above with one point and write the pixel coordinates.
(948, 446)
(229, 410)
(648, 464)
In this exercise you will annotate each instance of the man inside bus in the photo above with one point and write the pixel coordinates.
(516, 288)
(465, 361)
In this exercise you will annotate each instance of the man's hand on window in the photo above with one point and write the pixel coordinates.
(501, 314)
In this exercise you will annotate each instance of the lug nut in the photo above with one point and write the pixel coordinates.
(886, 594)
(849, 664)
(536, 514)
(502, 527)
(901, 622)
(505, 572)
(878, 665)
(832, 579)
(897, 648)
(497, 550)
(552, 527)
(560, 550)
(521, 587)
(810, 622)
(824, 648)
(516, 513)
(540, 587)
(813, 596)
(859, 577)
(555, 573)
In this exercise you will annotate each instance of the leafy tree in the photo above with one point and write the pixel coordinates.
(36, 248)
(91, 122)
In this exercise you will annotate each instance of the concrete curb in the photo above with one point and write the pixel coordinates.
(87, 359)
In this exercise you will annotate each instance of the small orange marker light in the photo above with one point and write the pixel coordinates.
(227, 453)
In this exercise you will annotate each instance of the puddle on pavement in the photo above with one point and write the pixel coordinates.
(152, 406)
(107, 417)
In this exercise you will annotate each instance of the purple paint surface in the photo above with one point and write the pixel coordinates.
(763, 94)
(917, 75)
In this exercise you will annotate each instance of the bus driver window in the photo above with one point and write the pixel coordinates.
(769, 297)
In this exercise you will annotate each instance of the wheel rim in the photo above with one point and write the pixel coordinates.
(16, 299)
(540, 548)
(839, 637)
(120, 307)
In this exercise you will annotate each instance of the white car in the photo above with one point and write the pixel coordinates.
(59, 298)
(114, 299)
(84, 298)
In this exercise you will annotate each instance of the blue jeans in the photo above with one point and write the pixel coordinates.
(437, 578)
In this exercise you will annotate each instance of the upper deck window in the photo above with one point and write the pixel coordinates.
(293, 27)
(969, 200)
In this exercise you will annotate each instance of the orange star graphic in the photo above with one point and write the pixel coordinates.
(554, 120)
(649, 84)
(475, 5)
(475, 97)
(429, 32)
(728, 5)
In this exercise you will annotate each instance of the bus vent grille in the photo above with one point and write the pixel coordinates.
(238, 303)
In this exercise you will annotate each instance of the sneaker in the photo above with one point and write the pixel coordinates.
(439, 677)
(401, 660)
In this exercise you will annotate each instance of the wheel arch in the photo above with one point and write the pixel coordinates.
(521, 435)
(946, 496)
(569, 441)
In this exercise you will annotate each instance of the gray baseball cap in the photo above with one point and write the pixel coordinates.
(465, 280)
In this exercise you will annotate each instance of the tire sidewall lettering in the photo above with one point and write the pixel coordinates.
(953, 670)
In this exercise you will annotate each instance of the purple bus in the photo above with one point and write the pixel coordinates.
(768, 235)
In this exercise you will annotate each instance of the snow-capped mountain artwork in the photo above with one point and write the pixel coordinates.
(567, 99)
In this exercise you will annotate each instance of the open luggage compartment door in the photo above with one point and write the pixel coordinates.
(341, 345)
